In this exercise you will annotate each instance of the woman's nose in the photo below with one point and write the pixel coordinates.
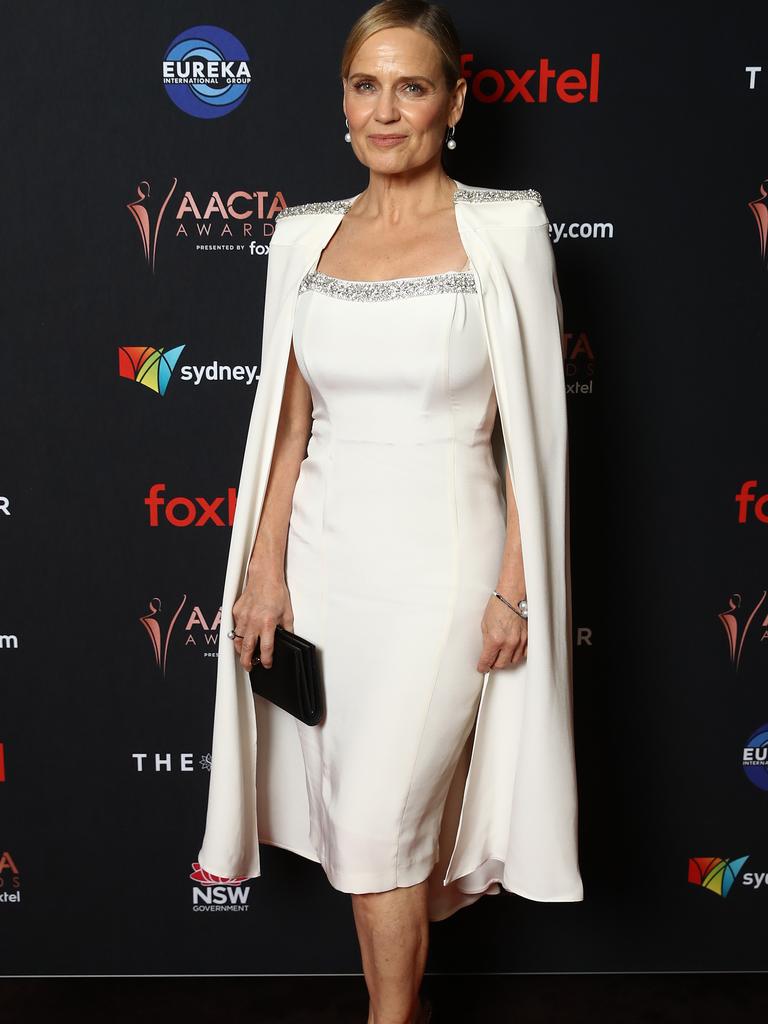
(386, 105)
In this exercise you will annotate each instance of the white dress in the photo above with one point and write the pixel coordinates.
(395, 543)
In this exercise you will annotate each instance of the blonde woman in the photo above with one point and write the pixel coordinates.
(403, 505)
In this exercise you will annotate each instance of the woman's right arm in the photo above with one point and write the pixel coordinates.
(265, 602)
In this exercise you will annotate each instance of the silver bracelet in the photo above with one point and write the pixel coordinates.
(521, 609)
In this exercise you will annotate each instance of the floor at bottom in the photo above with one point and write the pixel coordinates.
(575, 998)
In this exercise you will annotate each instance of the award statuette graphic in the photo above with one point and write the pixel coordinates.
(206, 71)
(736, 620)
(759, 208)
(160, 634)
(148, 225)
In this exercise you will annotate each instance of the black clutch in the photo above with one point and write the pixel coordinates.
(293, 681)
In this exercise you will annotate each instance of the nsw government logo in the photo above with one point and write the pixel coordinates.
(206, 71)
(218, 892)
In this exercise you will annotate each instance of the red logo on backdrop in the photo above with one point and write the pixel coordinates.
(494, 85)
(206, 878)
(2, 762)
(747, 497)
(180, 511)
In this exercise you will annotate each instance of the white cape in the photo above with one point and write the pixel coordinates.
(511, 814)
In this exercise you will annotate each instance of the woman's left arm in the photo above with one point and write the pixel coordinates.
(505, 633)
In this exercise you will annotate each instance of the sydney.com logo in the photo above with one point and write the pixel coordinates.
(153, 367)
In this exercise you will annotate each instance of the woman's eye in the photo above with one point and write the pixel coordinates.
(359, 86)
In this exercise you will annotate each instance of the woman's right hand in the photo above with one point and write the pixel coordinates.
(265, 603)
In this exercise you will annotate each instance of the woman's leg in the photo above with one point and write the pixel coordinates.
(393, 931)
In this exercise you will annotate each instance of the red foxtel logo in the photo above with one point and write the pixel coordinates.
(182, 511)
(572, 85)
(747, 497)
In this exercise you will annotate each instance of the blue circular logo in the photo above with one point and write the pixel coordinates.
(755, 758)
(206, 71)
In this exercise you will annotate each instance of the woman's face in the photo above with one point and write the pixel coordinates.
(397, 102)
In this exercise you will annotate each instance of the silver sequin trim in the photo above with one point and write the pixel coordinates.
(483, 195)
(331, 206)
(395, 288)
(462, 195)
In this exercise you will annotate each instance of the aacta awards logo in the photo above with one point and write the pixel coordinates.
(579, 363)
(195, 632)
(715, 873)
(221, 221)
(218, 892)
(206, 71)
(10, 879)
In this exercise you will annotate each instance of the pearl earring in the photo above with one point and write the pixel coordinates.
(451, 143)
(347, 137)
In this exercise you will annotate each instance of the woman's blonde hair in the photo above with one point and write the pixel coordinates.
(431, 19)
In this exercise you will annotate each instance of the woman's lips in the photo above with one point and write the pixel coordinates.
(387, 140)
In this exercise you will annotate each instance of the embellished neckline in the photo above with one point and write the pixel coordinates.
(466, 269)
(389, 288)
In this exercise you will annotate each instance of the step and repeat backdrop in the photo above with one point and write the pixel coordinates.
(137, 221)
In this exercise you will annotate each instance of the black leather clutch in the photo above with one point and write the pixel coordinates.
(293, 682)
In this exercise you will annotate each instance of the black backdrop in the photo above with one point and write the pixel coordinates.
(664, 287)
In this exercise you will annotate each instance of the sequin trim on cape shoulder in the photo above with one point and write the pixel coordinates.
(394, 288)
(462, 195)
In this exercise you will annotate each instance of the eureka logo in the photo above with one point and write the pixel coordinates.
(151, 367)
(755, 757)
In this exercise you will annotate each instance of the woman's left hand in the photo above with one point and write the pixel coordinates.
(505, 636)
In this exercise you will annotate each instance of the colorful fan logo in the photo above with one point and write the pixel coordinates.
(715, 873)
(151, 367)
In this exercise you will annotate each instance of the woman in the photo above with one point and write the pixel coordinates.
(407, 447)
